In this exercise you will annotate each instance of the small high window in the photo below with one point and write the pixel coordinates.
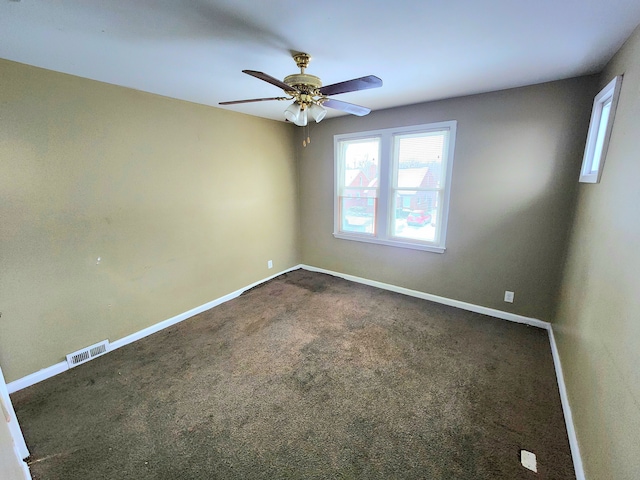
(604, 109)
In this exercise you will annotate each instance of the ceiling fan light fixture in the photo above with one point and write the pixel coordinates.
(292, 112)
(301, 120)
(317, 112)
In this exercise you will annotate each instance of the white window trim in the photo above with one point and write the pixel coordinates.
(386, 163)
(609, 93)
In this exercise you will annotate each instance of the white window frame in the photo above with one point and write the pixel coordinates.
(383, 231)
(594, 155)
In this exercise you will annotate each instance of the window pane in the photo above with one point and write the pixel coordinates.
(419, 159)
(602, 128)
(361, 160)
(358, 185)
(357, 214)
(418, 222)
(419, 171)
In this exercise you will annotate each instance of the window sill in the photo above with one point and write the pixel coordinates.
(391, 243)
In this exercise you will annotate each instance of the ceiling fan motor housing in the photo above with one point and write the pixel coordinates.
(307, 88)
(304, 80)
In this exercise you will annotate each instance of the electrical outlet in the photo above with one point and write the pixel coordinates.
(508, 296)
(270, 264)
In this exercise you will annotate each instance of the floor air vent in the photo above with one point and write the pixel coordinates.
(89, 353)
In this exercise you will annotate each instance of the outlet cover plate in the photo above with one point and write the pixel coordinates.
(528, 460)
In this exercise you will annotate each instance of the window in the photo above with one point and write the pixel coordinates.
(392, 185)
(604, 109)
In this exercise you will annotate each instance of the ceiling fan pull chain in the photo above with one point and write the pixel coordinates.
(306, 141)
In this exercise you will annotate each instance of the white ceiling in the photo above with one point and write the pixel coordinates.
(423, 50)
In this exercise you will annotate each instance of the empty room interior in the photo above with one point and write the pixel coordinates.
(319, 240)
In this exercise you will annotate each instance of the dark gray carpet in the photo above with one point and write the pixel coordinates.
(307, 376)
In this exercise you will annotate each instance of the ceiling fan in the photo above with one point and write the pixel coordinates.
(309, 96)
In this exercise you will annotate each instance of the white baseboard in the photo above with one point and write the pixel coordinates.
(53, 370)
(25, 471)
(566, 408)
(37, 377)
(190, 313)
(512, 317)
(573, 441)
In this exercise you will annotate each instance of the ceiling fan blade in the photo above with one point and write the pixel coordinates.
(346, 107)
(234, 102)
(362, 83)
(271, 80)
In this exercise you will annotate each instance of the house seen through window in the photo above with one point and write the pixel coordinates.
(392, 185)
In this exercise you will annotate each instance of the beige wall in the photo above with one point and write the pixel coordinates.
(598, 321)
(517, 155)
(183, 203)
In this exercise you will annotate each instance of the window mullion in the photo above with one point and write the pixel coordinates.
(384, 198)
